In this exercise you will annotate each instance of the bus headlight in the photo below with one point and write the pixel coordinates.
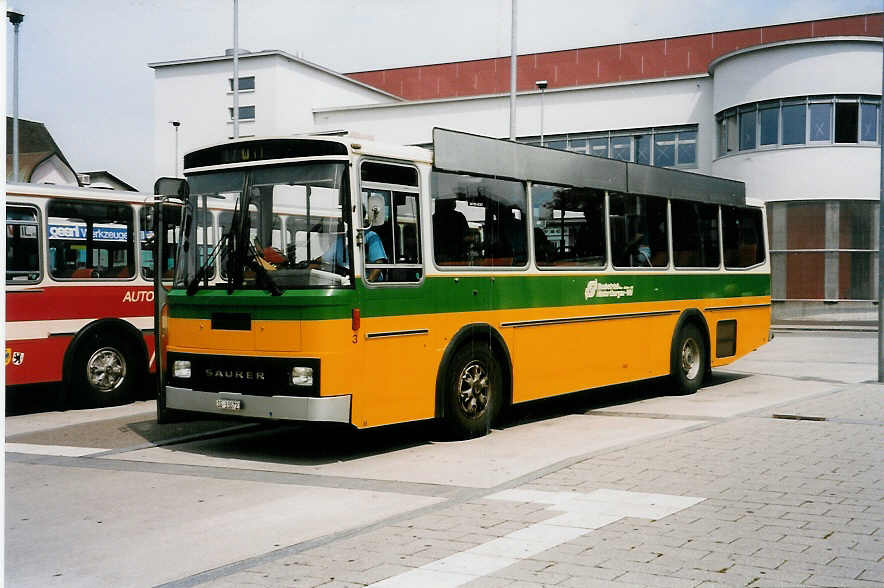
(181, 369)
(302, 376)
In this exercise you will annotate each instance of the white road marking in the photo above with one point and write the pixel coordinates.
(581, 513)
(54, 450)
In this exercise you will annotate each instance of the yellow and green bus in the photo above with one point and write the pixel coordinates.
(328, 278)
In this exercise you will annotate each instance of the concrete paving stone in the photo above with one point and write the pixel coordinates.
(588, 571)
(644, 579)
(339, 584)
(829, 581)
(595, 583)
(822, 569)
(373, 574)
(787, 577)
(875, 574)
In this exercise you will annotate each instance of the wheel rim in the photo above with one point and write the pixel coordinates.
(472, 389)
(106, 369)
(690, 358)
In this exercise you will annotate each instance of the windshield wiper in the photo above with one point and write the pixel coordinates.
(203, 271)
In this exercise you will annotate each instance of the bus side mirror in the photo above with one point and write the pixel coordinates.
(171, 187)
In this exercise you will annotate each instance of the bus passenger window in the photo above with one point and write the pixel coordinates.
(392, 240)
(569, 226)
(478, 221)
(22, 245)
(90, 240)
(638, 231)
(695, 234)
(743, 237)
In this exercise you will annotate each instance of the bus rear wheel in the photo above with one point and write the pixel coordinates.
(472, 392)
(688, 360)
(104, 371)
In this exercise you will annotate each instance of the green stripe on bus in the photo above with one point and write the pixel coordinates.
(441, 294)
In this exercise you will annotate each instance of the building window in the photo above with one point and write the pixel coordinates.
(245, 112)
(664, 146)
(798, 121)
(821, 121)
(823, 249)
(747, 128)
(245, 83)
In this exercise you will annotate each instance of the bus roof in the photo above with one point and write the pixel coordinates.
(254, 150)
(465, 153)
(51, 190)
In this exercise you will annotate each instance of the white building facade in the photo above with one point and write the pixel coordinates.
(796, 120)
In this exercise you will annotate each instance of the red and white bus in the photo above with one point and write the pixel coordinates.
(79, 291)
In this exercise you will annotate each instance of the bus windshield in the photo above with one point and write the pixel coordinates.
(279, 227)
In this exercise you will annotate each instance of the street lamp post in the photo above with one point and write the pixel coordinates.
(541, 84)
(176, 124)
(15, 18)
(236, 69)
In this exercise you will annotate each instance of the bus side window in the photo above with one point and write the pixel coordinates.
(743, 237)
(695, 234)
(479, 221)
(395, 229)
(90, 240)
(22, 245)
(569, 226)
(638, 231)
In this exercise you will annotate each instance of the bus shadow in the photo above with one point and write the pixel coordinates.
(597, 398)
(317, 444)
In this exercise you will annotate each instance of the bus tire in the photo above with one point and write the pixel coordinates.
(472, 391)
(688, 359)
(105, 370)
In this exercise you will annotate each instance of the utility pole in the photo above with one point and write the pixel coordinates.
(881, 231)
(15, 18)
(513, 74)
(541, 84)
(236, 69)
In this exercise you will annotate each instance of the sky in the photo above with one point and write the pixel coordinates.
(84, 63)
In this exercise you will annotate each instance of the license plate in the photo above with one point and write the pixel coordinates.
(228, 404)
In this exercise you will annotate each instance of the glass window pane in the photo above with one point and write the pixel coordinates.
(732, 132)
(821, 122)
(621, 148)
(664, 149)
(695, 234)
(90, 240)
(556, 144)
(805, 275)
(743, 237)
(856, 225)
(846, 122)
(747, 130)
(722, 137)
(643, 149)
(638, 231)
(393, 237)
(804, 225)
(769, 125)
(577, 145)
(855, 273)
(687, 147)
(869, 122)
(598, 147)
(478, 221)
(569, 226)
(793, 123)
(22, 245)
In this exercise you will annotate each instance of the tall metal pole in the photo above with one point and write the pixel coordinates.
(236, 69)
(15, 18)
(541, 116)
(881, 229)
(513, 74)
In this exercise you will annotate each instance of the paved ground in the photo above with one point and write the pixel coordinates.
(769, 476)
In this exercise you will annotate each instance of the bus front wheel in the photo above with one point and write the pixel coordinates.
(473, 391)
(688, 360)
(103, 371)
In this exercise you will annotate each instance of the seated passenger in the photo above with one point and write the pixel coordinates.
(449, 232)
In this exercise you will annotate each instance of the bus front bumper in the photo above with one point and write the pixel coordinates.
(334, 409)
